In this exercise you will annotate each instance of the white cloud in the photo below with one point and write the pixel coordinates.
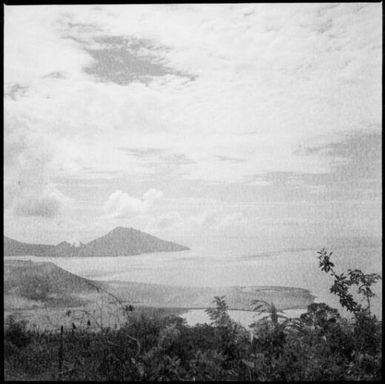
(122, 205)
(209, 220)
(28, 157)
(151, 196)
(270, 78)
(272, 72)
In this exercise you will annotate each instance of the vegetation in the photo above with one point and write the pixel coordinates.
(342, 284)
(157, 345)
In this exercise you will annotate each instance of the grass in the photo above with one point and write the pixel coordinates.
(155, 345)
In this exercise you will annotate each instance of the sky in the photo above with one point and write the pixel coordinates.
(193, 122)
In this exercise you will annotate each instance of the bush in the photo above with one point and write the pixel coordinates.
(16, 332)
(320, 345)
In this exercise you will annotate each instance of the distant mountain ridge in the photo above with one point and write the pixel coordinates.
(119, 242)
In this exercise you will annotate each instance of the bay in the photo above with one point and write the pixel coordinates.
(205, 267)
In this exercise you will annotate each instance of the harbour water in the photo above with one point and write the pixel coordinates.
(199, 267)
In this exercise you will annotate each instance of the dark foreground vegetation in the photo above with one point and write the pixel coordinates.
(157, 345)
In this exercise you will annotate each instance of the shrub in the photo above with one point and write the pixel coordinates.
(154, 345)
(16, 332)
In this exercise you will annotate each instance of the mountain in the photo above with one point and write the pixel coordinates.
(129, 241)
(119, 242)
(17, 248)
(25, 278)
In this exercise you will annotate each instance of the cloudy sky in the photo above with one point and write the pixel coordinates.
(193, 122)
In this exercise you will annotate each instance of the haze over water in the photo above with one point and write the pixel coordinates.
(225, 263)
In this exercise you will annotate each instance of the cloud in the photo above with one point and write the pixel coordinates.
(121, 60)
(152, 195)
(122, 205)
(211, 219)
(28, 157)
(48, 205)
(287, 96)
(55, 75)
(232, 159)
(355, 169)
(275, 89)
(15, 91)
(169, 220)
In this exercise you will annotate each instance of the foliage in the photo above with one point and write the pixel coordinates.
(156, 345)
(262, 306)
(219, 315)
(343, 283)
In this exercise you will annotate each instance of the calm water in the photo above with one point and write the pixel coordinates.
(227, 267)
(245, 318)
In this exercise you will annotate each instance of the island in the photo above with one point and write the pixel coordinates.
(120, 241)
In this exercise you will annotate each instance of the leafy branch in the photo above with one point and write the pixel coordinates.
(343, 283)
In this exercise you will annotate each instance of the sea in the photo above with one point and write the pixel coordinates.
(223, 265)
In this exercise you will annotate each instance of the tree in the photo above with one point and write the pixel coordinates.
(219, 315)
(343, 283)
